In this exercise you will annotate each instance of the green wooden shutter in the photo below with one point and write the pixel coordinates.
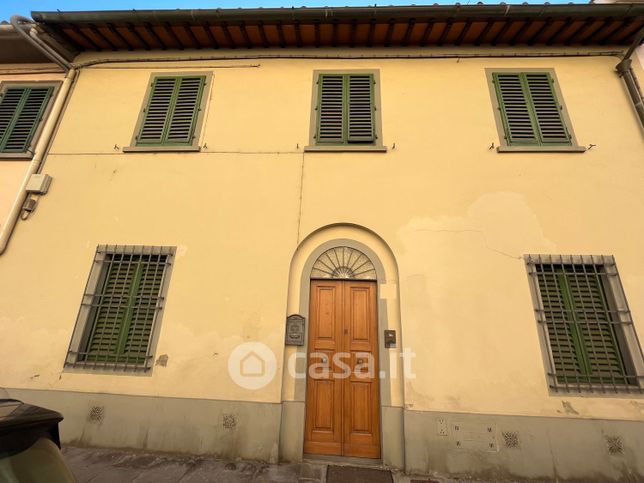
(113, 305)
(601, 351)
(345, 110)
(530, 111)
(581, 336)
(126, 307)
(145, 306)
(21, 111)
(564, 343)
(547, 111)
(331, 102)
(515, 111)
(157, 112)
(360, 108)
(170, 116)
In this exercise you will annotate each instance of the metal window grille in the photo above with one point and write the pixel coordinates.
(586, 323)
(120, 308)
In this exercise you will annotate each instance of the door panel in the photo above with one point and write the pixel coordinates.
(343, 414)
(361, 418)
(323, 426)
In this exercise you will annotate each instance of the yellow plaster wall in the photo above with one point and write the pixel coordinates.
(457, 215)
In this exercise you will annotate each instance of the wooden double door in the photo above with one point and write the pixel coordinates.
(342, 390)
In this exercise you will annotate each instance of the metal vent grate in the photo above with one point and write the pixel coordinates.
(96, 414)
(510, 439)
(614, 445)
(587, 324)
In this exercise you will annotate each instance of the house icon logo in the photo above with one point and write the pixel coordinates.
(252, 365)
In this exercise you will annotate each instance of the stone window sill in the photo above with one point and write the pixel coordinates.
(161, 149)
(16, 156)
(541, 149)
(345, 148)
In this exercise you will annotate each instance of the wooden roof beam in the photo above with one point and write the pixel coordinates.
(390, 32)
(262, 35)
(582, 28)
(229, 37)
(242, 27)
(445, 32)
(556, 33)
(82, 35)
(132, 31)
(352, 37)
(520, 32)
(372, 31)
(410, 27)
(316, 29)
(120, 36)
(280, 33)
(97, 33)
(192, 36)
(464, 32)
(168, 29)
(211, 37)
(539, 31)
(484, 32)
(502, 32)
(151, 32)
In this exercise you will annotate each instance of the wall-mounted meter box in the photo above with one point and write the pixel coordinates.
(38, 183)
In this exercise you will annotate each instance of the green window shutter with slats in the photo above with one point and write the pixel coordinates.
(345, 110)
(529, 108)
(600, 348)
(581, 336)
(127, 303)
(360, 108)
(331, 102)
(564, 341)
(171, 113)
(21, 111)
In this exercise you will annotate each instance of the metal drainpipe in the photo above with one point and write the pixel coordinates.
(46, 134)
(626, 72)
(33, 39)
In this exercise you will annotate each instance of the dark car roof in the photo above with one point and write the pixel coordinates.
(15, 415)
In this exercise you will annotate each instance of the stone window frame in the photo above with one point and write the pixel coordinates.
(377, 146)
(503, 146)
(628, 343)
(84, 318)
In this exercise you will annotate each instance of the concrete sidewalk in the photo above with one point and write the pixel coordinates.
(118, 466)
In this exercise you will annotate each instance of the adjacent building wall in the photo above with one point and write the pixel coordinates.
(457, 216)
(12, 172)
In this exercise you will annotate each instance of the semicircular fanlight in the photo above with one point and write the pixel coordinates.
(343, 263)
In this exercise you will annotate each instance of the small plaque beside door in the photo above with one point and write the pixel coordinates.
(295, 330)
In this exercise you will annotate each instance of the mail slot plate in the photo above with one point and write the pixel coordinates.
(295, 330)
